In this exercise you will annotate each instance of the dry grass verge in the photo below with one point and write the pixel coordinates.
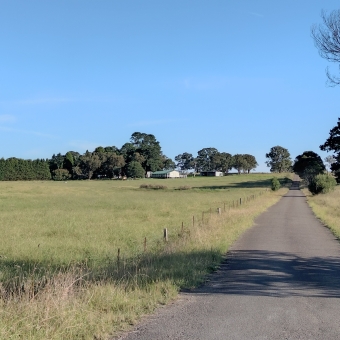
(327, 208)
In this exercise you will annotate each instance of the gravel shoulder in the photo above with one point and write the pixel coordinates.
(281, 280)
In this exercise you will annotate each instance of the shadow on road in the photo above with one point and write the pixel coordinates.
(264, 273)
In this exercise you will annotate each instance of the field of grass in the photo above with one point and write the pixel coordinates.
(86, 259)
(327, 208)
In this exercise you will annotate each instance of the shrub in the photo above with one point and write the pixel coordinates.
(61, 175)
(184, 187)
(322, 183)
(135, 170)
(275, 184)
(151, 186)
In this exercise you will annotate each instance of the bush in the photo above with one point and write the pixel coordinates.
(135, 170)
(60, 175)
(184, 187)
(150, 186)
(321, 184)
(275, 184)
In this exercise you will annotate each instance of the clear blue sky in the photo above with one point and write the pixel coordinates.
(238, 75)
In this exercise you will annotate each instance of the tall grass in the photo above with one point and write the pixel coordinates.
(327, 208)
(62, 276)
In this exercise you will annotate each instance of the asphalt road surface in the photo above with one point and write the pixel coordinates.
(281, 280)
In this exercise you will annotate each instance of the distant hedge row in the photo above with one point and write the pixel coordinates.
(16, 169)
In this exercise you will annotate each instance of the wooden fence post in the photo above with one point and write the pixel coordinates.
(144, 244)
(165, 234)
(219, 211)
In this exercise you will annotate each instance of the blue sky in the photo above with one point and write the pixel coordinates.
(238, 75)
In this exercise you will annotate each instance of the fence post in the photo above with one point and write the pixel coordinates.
(165, 234)
(219, 211)
(144, 244)
(193, 220)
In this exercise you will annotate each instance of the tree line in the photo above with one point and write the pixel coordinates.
(142, 154)
(15, 169)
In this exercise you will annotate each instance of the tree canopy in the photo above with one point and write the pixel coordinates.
(308, 165)
(332, 144)
(279, 159)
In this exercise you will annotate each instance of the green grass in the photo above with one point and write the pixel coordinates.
(60, 277)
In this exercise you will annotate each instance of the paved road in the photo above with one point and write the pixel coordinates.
(281, 281)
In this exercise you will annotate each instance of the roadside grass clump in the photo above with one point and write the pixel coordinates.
(87, 259)
(184, 187)
(327, 208)
(153, 186)
(322, 184)
(275, 184)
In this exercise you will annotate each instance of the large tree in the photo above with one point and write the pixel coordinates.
(205, 159)
(327, 40)
(148, 147)
(88, 164)
(279, 159)
(239, 163)
(332, 144)
(185, 161)
(308, 165)
(112, 163)
(135, 170)
(222, 161)
(250, 162)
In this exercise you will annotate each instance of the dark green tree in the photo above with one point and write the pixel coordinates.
(308, 159)
(308, 165)
(88, 164)
(239, 163)
(148, 147)
(185, 161)
(57, 161)
(205, 159)
(332, 144)
(111, 149)
(68, 162)
(250, 163)
(222, 161)
(279, 159)
(168, 163)
(135, 170)
(112, 164)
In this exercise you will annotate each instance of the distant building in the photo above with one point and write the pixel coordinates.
(212, 173)
(165, 174)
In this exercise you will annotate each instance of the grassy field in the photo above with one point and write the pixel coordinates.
(86, 259)
(327, 208)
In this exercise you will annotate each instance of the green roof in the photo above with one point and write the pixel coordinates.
(163, 172)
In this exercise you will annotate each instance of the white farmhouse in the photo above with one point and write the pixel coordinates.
(165, 174)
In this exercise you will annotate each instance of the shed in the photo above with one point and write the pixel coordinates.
(165, 174)
(212, 173)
